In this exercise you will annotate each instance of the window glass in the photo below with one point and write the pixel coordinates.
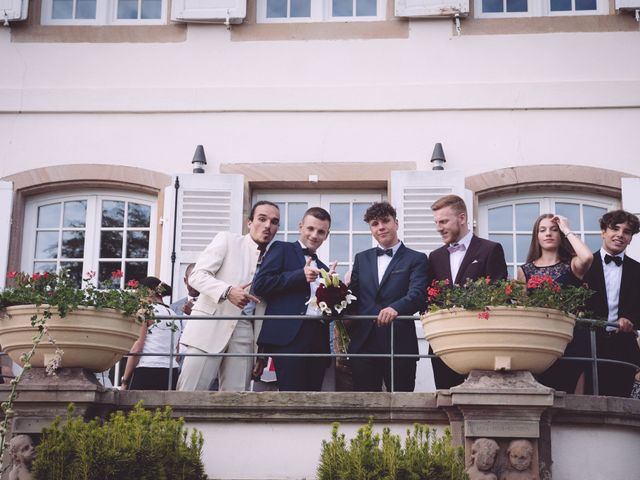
(586, 5)
(339, 248)
(342, 8)
(128, 9)
(361, 242)
(339, 216)
(47, 245)
(75, 214)
(294, 217)
(276, 8)
(501, 218)
(526, 214)
(112, 213)
(592, 217)
(151, 9)
(49, 216)
(86, 9)
(62, 9)
(138, 215)
(137, 244)
(300, 8)
(72, 244)
(571, 211)
(365, 8)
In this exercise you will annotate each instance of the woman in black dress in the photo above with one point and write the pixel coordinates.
(557, 252)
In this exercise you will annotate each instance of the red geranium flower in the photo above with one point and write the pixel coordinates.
(117, 274)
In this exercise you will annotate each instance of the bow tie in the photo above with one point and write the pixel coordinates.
(609, 258)
(382, 251)
(309, 253)
(456, 247)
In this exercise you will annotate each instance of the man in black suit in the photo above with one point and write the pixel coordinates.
(615, 277)
(464, 256)
(388, 281)
(288, 278)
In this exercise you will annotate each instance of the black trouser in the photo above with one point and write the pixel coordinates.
(149, 378)
(303, 374)
(616, 380)
(369, 373)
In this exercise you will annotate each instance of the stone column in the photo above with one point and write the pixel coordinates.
(505, 408)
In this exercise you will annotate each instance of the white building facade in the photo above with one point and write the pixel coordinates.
(333, 103)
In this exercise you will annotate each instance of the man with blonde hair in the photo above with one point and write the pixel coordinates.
(463, 257)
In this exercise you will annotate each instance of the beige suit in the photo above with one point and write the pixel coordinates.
(229, 260)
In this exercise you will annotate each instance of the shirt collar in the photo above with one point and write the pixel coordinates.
(466, 240)
(394, 248)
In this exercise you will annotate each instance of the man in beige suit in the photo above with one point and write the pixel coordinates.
(222, 275)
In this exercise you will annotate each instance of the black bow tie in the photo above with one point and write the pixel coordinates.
(309, 253)
(609, 258)
(381, 251)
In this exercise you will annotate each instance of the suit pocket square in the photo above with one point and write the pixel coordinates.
(475, 261)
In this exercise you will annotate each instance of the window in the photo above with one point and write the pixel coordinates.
(90, 232)
(349, 233)
(510, 221)
(538, 8)
(103, 12)
(274, 11)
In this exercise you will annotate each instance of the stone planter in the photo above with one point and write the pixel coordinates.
(90, 338)
(518, 338)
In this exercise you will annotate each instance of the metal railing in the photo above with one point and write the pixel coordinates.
(593, 359)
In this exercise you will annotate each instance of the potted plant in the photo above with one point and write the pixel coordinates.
(104, 320)
(504, 325)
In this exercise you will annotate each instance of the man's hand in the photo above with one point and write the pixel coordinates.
(310, 273)
(625, 325)
(240, 297)
(186, 308)
(258, 368)
(386, 316)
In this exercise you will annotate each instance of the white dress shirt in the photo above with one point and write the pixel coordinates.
(313, 286)
(612, 281)
(455, 258)
(385, 260)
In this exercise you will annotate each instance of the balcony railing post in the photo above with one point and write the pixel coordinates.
(393, 383)
(594, 362)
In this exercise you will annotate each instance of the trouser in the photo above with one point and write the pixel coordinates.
(233, 373)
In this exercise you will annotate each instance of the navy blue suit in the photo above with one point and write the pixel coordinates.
(403, 287)
(282, 283)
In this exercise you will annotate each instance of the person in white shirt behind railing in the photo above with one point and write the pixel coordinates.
(151, 372)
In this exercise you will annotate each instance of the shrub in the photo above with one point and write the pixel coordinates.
(370, 456)
(139, 446)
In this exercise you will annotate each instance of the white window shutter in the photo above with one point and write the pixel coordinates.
(631, 203)
(206, 204)
(13, 9)
(413, 193)
(432, 8)
(6, 200)
(209, 11)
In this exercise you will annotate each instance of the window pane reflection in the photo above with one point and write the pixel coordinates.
(359, 210)
(46, 245)
(339, 216)
(86, 9)
(593, 241)
(295, 213)
(526, 214)
(75, 271)
(75, 214)
(517, 5)
(361, 242)
(342, 8)
(571, 211)
(139, 216)
(276, 8)
(492, 6)
(62, 9)
(112, 213)
(110, 244)
(151, 9)
(592, 217)
(501, 218)
(507, 243)
(522, 248)
(300, 8)
(365, 8)
(135, 271)
(49, 216)
(128, 9)
(44, 267)
(105, 269)
(137, 244)
(72, 244)
(339, 248)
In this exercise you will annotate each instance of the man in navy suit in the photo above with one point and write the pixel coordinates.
(288, 278)
(388, 281)
(615, 277)
(464, 256)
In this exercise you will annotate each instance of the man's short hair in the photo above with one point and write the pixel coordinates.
(378, 211)
(616, 217)
(454, 201)
(319, 213)
(257, 204)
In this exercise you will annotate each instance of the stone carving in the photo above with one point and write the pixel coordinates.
(22, 453)
(520, 455)
(483, 456)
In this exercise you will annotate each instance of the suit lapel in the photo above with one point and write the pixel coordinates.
(626, 286)
(469, 256)
(372, 260)
(394, 261)
(299, 254)
(598, 284)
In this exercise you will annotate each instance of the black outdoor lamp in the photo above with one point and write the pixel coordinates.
(199, 160)
(437, 157)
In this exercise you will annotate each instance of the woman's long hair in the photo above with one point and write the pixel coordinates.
(565, 251)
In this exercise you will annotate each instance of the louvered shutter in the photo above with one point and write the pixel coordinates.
(209, 11)
(13, 9)
(631, 203)
(6, 200)
(206, 204)
(432, 8)
(413, 193)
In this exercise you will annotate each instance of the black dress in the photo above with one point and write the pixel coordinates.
(564, 373)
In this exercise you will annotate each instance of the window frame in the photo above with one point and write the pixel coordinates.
(540, 8)
(106, 14)
(90, 260)
(320, 12)
(546, 201)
